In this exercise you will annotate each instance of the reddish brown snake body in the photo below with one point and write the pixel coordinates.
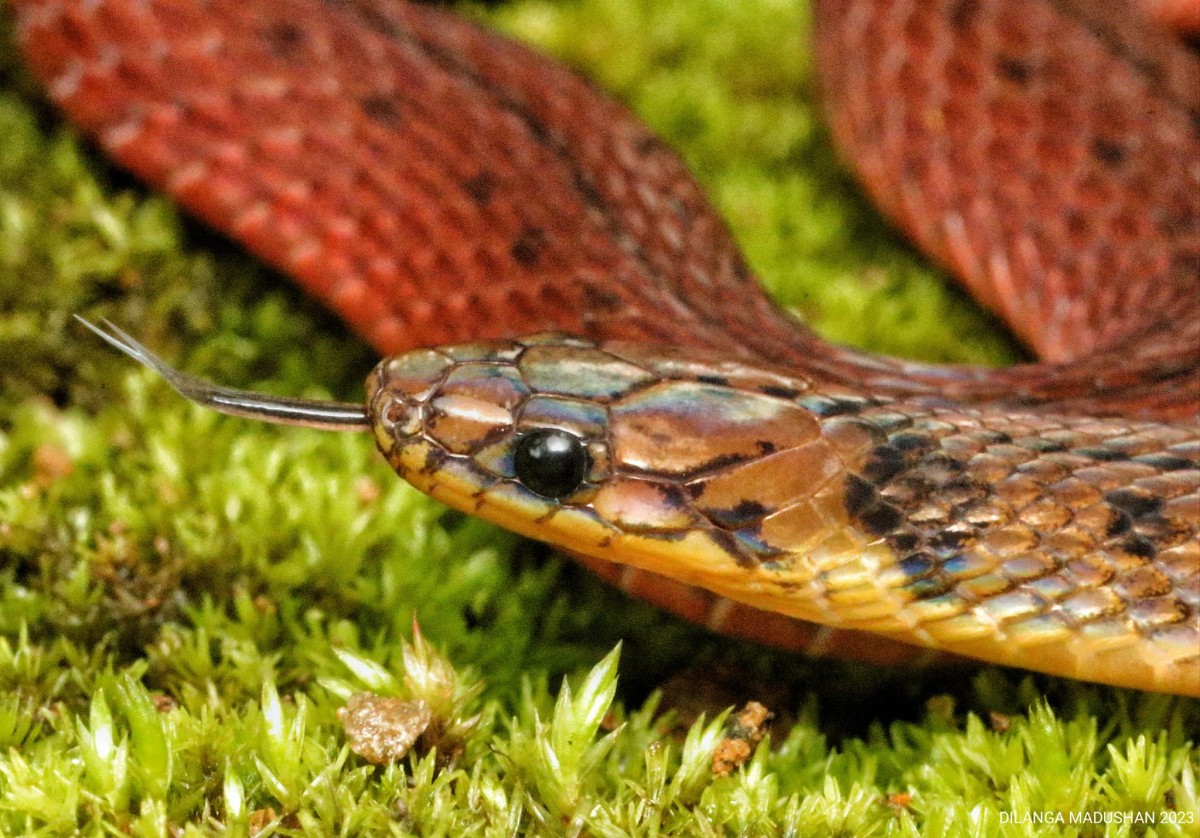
(433, 183)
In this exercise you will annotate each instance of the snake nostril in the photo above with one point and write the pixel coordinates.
(550, 462)
(401, 417)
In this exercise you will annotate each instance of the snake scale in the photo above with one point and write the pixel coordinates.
(606, 374)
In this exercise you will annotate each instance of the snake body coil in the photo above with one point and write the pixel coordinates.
(437, 184)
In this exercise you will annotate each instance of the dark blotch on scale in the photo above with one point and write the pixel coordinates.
(1108, 152)
(737, 517)
(926, 576)
(825, 406)
(964, 13)
(779, 391)
(1104, 455)
(911, 442)
(1140, 546)
(884, 463)
(993, 437)
(375, 20)
(860, 496)
(1166, 462)
(1136, 520)
(600, 299)
(435, 460)
(1015, 70)
(381, 109)
(1136, 504)
(481, 187)
(864, 506)
(529, 245)
(728, 542)
(881, 519)
(1120, 523)
(283, 39)
(948, 543)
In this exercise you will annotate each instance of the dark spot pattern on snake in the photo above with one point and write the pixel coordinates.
(737, 517)
(381, 109)
(1104, 455)
(963, 13)
(1015, 70)
(481, 187)
(529, 245)
(1108, 152)
(284, 38)
(1135, 504)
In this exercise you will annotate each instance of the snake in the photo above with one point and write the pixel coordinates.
(575, 349)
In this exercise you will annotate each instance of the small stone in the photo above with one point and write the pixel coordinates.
(382, 730)
(746, 730)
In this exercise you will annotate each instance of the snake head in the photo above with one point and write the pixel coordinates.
(618, 451)
(469, 421)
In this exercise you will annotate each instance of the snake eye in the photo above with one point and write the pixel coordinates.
(550, 462)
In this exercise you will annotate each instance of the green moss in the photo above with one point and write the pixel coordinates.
(186, 599)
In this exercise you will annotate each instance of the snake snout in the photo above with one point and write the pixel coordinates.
(478, 410)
